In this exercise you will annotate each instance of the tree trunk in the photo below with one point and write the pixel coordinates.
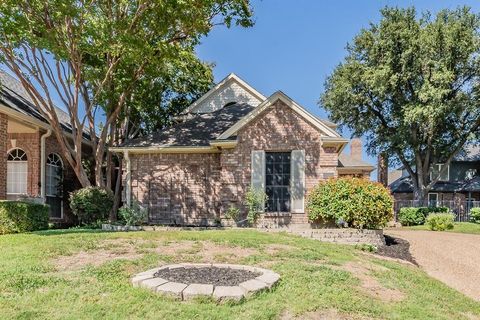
(118, 197)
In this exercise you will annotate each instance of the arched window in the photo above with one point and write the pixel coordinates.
(17, 172)
(54, 184)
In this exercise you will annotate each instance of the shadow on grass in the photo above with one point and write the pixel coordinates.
(52, 232)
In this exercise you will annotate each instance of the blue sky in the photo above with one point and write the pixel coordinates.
(295, 45)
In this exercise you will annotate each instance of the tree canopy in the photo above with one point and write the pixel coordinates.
(410, 84)
(96, 57)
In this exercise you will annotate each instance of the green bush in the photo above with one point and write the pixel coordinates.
(20, 216)
(410, 216)
(134, 215)
(255, 201)
(475, 215)
(440, 221)
(91, 204)
(359, 202)
(232, 213)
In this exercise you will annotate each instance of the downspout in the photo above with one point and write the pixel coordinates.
(128, 179)
(43, 162)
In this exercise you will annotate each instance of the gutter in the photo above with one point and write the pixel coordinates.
(43, 162)
(128, 179)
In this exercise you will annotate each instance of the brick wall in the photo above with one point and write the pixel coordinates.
(3, 155)
(199, 188)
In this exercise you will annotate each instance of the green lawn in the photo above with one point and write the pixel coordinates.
(460, 227)
(73, 275)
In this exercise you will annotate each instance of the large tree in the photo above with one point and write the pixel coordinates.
(90, 56)
(410, 84)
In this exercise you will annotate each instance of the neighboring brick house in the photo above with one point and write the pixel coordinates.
(231, 139)
(31, 163)
(457, 189)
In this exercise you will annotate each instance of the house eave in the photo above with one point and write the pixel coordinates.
(355, 169)
(167, 149)
(225, 144)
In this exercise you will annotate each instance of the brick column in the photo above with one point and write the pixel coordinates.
(3, 155)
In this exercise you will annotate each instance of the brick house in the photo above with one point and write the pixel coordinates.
(230, 139)
(31, 163)
(458, 187)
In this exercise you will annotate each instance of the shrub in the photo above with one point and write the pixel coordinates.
(440, 221)
(475, 215)
(134, 215)
(232, 213)
(255, 201)
(21, 216)
(91, 204)
(359, 202)
(410, 216)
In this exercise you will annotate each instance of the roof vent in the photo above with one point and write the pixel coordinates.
(230, 104)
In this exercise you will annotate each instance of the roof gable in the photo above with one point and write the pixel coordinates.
(316, 122)
(230, 89)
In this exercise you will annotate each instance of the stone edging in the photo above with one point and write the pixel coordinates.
(220, 293)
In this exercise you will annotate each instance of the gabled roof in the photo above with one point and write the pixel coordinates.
(14, 96)
(197, 131)
(279, 95)
(225, 82)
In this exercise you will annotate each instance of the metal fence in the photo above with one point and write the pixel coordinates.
(461, 209)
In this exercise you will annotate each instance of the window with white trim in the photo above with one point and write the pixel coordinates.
(432, 199)
(445, 176)
(17, 171)
(53, 175)
(54, 185)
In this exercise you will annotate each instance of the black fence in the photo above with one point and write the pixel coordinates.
(461, 209)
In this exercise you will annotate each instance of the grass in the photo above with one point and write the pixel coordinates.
(313, 278)
(459, 227)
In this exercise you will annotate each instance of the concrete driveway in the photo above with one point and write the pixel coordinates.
(452, 258)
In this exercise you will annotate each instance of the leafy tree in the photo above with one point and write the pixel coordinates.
(91, 55)
(411, 86)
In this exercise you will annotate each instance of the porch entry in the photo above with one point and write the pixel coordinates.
(281, 175)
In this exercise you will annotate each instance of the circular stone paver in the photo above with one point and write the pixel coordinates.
(221, 281)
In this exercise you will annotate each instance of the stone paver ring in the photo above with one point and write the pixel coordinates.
(220, 281)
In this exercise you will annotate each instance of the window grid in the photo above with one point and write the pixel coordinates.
(17, 172)
(277, 181)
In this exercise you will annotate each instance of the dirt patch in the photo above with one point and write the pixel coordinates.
(331, 314)
(131, 249)
(94, 258)
(206, 251)
(369, 284)
(396, 248)
(275, 248)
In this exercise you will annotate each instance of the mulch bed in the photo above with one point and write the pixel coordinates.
(207, 275)
(396, 248)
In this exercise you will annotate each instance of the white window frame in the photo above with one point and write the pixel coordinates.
(25, 162)
(46, 189)
(436, 201)
(440, 167)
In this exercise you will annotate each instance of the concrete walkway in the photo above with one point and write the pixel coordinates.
(452, 258)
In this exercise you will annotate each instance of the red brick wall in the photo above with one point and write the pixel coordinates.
(199, 188)
(3, 155)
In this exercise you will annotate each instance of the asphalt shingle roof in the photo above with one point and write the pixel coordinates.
(345, 160)
(196, 131)
(14, 96)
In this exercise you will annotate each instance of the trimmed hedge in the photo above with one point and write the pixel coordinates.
(411, 216)
(475, 215)
(21, 216)
(91, 204)
(440, 221)
(360, 203)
